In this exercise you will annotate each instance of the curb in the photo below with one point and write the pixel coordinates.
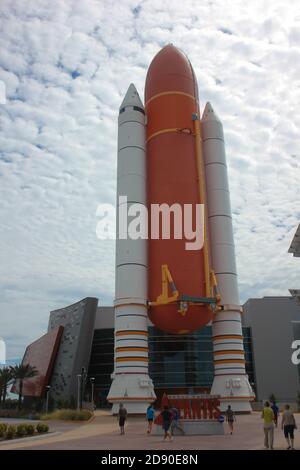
(28, 439)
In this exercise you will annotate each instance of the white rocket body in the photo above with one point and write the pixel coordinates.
(131, 383)
(230, 379)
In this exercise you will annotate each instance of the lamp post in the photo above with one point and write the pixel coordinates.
(78, 391)
(48, 388)
(92, 380)
(82, 385)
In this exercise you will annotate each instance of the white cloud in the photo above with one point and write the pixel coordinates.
(66, 65)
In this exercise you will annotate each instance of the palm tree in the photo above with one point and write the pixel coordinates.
(6, 376)
(20, 373)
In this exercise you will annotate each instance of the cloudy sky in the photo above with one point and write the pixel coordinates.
(66, 65)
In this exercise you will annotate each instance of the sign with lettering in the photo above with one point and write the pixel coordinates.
(192, 407)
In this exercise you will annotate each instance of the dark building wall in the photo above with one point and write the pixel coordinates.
(75, 348)
(272, 322)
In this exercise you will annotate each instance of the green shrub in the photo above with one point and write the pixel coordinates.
(29, 429)
(11, 431)
(21, 430)
(69, 415)
(41, 427)
(3, 429)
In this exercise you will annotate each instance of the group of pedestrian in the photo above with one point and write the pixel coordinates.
(170, 421)
(288, 424)
(270, 416)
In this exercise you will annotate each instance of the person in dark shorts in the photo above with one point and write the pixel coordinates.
(150, 418)
(122, 417)
(288, 425)
(166, 422)
(276, 412)
(230, 418)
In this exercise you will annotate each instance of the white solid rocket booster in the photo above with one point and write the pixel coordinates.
(131, 383)
(230, 379)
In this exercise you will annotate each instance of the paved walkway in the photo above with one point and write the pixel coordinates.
(102, 433)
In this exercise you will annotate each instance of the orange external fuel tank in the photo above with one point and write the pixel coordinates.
(171, 101)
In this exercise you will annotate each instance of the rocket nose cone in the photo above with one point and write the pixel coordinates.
(209, 113)
(170, 70)
(132, 98)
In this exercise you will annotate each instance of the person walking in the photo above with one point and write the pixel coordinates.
(175, 421)
(268, 417)
(122, 417)
(166, 422)
(276, 412)
(150, 418)
(288, 425)
(230, 418)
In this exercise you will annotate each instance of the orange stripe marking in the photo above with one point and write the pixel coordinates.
(219, 353)
(133, 359)
(137, 348)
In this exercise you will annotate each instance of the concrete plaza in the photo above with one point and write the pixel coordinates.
(102, 433)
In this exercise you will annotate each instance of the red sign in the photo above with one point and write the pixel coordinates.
(192, 407)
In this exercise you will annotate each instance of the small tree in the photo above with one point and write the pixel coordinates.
(6, 377)
(20, 373)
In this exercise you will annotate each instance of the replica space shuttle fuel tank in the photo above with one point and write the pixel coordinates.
(175, 176)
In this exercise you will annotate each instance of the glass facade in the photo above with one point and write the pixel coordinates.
(102, 363)
(177, 363)
(181, 361)
(249, 355)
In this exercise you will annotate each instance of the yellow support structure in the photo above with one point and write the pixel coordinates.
(167, 280)
(183, 303)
